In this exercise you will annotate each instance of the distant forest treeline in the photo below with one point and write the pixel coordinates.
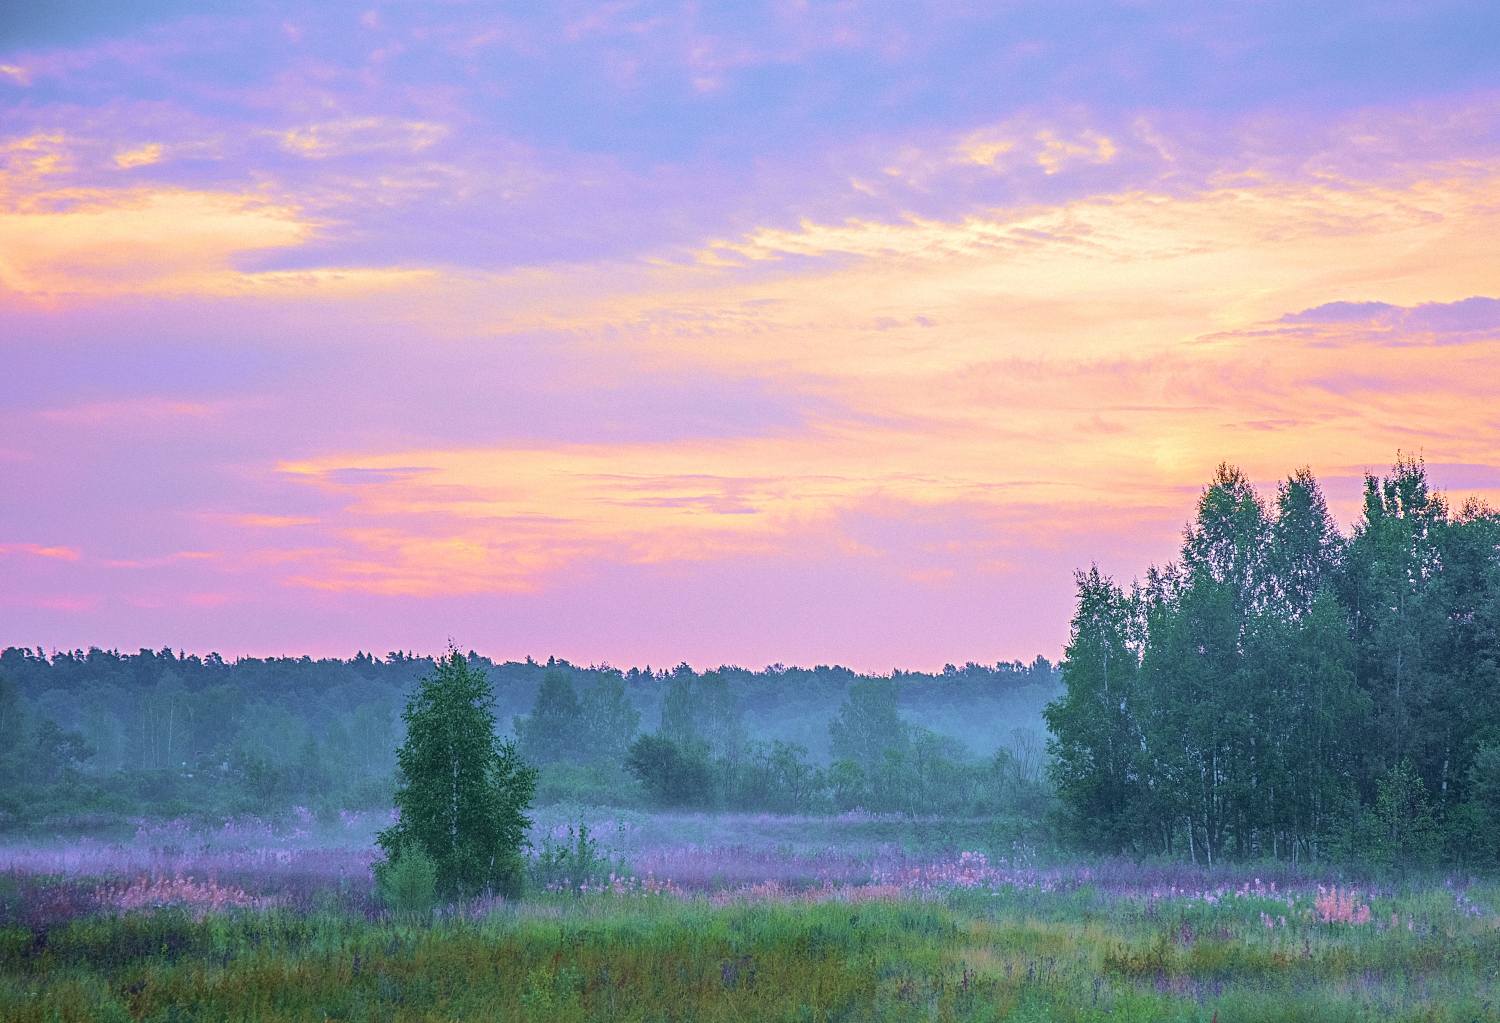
(105, 734)
(1286, 691)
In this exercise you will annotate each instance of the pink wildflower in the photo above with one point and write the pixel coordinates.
(1334, 908)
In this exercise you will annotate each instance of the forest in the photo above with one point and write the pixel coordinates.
(91, 738)
(1284, 691)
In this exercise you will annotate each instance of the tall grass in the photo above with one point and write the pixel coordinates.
(963, 954)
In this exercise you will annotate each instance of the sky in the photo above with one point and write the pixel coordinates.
(743, 333)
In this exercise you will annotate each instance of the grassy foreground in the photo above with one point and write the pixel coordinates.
(971, 956)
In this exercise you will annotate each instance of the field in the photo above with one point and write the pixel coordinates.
(724, 917)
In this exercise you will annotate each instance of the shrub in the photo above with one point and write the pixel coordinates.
(673, 775)
(575, 865)
(408, 884)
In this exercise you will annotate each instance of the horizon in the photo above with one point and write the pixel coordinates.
(527, 659)
(648, 333)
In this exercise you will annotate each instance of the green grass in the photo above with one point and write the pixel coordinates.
(975, 956)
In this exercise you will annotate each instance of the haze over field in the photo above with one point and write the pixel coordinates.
(642, 332)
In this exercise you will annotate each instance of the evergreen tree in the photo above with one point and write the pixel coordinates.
(465, 791)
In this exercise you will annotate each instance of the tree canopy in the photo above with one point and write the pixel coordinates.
(1285, 691)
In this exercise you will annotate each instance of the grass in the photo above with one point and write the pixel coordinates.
(726, 917)
(963, 954)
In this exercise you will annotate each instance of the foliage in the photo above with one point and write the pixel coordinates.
(777, 776)
(1423, 955)
(868, 723)
(552, 732)
(609, 722)
(673, 775)
(575, 865)
(1097, 736)
(596, 730)
(466, 791)
(172, 734)
(408, 884)
(1285, 692)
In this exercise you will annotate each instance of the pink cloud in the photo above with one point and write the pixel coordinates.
(62, 553)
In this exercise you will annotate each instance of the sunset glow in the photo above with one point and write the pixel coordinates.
(805, 333)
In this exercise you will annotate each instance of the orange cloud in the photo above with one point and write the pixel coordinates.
(270, 521)
(1088, 362)
(138, 241)
(169, 559)
(141, 157)
(355, 135)
(1042, 368)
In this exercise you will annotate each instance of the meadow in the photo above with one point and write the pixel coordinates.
(731, 917)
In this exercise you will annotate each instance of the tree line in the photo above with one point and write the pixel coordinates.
(1284, 690)
(702, 756)
(99, 735)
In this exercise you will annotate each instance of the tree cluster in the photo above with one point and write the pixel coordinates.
(98, 735)
(702, 755)
(1286, 691)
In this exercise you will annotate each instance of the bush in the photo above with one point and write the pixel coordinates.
(408, 885)
(594, 785)
(574, 865)
(673, 775)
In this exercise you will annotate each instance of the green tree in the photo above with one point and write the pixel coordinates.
(552, 731)
(716, 716)
(674, 776)
(1405, 828)
(56, 753)
(776, 776)
(1305, 547)
(1393, 590)
(1483, 805)
(679, 708)
(848, 785)
(609, 722)
(1315, 727)
(465, 791)
(372, 730)
(1095, 738)
(1205, 699)
(868, 723)
(13, 729)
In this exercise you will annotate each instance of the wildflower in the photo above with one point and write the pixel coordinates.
(1333, 908)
